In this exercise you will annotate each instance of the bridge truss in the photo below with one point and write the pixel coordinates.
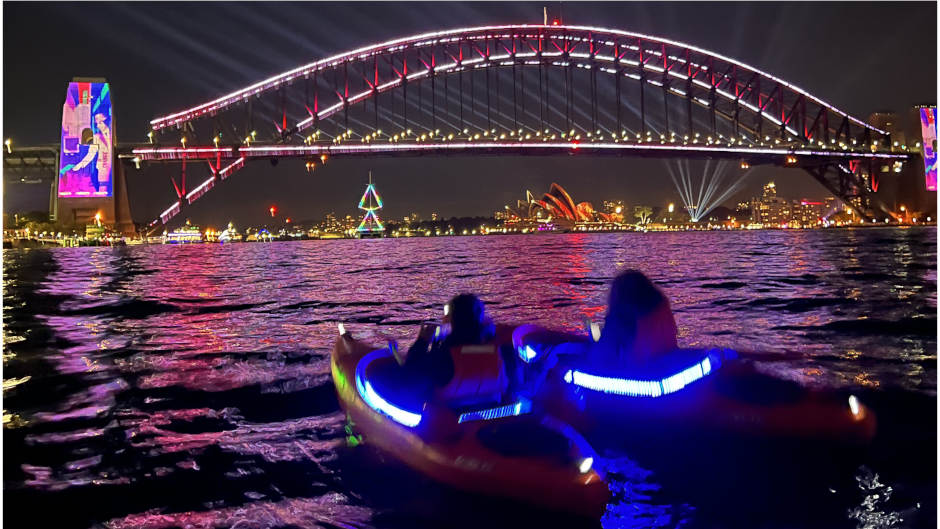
(525, 89)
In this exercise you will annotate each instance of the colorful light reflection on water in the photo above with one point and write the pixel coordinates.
(169, 386)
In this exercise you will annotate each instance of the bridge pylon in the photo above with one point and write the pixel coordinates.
(90, 179)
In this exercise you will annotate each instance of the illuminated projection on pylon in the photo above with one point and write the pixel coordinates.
(370, 203)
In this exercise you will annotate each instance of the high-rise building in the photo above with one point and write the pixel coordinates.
(769, 209)
(331, 224)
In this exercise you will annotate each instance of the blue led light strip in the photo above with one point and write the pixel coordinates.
(519, 407)
(374, 400)
(640, 388)
(526, 353)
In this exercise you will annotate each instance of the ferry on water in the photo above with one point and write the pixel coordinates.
(184, 234)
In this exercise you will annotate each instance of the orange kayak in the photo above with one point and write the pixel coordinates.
(713, 391)
(507, 450)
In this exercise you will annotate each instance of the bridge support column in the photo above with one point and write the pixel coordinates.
(115, 210)
(848, 186)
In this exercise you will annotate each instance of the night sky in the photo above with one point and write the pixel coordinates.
(160, 58)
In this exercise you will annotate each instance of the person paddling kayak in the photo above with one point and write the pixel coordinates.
(446, 362)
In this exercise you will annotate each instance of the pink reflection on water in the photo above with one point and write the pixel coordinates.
(275, 441)
(225, 373)
(328, 510)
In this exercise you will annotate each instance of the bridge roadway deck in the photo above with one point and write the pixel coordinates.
(777, 154)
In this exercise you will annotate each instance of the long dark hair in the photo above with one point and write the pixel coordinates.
(632, 296)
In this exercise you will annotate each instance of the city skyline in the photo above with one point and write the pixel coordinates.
(347, 212)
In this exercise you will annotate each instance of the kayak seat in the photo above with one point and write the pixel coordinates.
(479, 379)
(402, 388)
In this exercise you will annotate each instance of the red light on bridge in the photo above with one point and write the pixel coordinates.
(287, 220)
(273, 210)
(555, 22)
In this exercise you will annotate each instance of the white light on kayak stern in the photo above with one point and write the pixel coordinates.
(853, 405)
(595, 331)
(585, 465)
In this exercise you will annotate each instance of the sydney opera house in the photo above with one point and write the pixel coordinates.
(558, 207)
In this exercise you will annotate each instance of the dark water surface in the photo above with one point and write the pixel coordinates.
(165, 386)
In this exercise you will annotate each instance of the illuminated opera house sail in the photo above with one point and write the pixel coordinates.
(558, 206)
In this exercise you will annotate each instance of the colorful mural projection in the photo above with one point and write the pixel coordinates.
(85, 165)
(928, 128)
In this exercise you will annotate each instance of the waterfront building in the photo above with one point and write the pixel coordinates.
(558, 206)
(770, 209)
(805, 213)
(331, 224)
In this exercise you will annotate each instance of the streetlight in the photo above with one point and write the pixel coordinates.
(9, 144)
(672, 207)
(150, 136)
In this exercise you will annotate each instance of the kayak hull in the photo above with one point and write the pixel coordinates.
(731, 398)
(451, 453)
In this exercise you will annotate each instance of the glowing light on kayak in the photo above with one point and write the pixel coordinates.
(527, 353)
(595, 331)
(375, 401)
(510, 410)
(853, 405)
(585, 465)
(640, 388)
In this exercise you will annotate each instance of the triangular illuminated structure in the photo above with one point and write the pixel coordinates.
(370, 202)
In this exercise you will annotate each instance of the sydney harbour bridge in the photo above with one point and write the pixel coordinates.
(518, 90)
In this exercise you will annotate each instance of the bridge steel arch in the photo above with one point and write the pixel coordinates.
(545, 90)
